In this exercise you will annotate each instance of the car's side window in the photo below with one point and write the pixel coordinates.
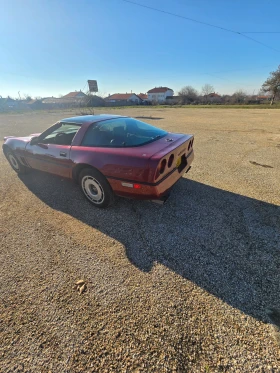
(62, 134)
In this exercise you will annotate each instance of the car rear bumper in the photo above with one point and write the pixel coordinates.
(150, 191)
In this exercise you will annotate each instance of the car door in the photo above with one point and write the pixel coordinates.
(51, 153)
(50, 158)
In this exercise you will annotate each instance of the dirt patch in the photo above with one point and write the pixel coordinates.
(182, 287)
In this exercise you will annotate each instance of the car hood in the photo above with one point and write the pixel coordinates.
(26, 138)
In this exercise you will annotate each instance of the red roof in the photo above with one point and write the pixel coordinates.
(143, 96)
(74, 94)
(120, 96)
(213, 95)
(159, 90)
(264, 97)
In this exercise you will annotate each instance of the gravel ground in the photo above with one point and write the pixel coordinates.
(184, 287)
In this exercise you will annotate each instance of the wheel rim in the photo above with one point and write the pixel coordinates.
(13, 161)
(93, 189)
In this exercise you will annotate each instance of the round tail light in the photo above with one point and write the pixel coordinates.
(162, 166)
(170, 160)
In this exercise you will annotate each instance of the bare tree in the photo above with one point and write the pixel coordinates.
(188, 94)
(239, 96)
(272, 84)
(206, 90)
(103, 94)
(27, 97)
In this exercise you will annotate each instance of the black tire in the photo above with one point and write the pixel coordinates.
(14, 162)
(96, 188)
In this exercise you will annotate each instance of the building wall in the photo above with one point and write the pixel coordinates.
(160, 96)
(134, 98)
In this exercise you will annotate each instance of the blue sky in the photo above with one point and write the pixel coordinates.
(51, 47)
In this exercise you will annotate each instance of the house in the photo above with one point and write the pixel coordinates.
(263, 98)
(71, 99)
(159, 94)
(123, 97)
(213, 95)
(77, 95)
(213, 98)
(8, 103)
(143, 96)
(51, 100)
(35, 104)
(11, 102)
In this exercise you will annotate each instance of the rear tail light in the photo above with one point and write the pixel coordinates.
(170, 160)
(190, 144)
(130, 185)
(162, 166)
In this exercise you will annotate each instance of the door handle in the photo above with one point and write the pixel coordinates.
(62, 154)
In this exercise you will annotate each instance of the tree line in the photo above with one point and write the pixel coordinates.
(270, 88)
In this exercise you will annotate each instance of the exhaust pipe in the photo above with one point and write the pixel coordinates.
(161, 201)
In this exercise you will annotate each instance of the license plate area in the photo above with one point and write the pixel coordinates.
(181, 163)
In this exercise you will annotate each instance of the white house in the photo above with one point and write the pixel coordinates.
(159, 94)
(121, 97)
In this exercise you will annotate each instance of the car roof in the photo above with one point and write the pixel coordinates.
(83, 119)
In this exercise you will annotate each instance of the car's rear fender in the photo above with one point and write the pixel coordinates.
(112, 163)
(171, 158)
(78, 169)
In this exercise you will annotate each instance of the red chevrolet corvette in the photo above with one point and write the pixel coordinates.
(107, 155)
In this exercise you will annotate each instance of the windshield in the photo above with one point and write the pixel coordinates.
(60, 134)
(121, 132)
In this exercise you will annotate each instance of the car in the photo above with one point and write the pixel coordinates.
(107, 155)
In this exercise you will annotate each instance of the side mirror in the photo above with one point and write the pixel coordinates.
(34, 140)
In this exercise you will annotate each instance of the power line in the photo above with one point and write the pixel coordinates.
(260, 32)
(259, 42)
(200, 22)
(180, 16)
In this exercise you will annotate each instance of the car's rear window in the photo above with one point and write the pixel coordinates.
(121, 132)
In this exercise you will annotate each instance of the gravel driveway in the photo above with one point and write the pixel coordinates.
(184, 287)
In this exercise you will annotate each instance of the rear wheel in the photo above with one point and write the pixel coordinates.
(96, 188)
(14, 162)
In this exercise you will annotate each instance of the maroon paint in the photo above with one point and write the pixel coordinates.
(134, 164)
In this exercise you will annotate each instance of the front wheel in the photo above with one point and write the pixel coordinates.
(96, 188)
(15, 163)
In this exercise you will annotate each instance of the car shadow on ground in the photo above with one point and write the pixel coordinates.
(225, 243)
